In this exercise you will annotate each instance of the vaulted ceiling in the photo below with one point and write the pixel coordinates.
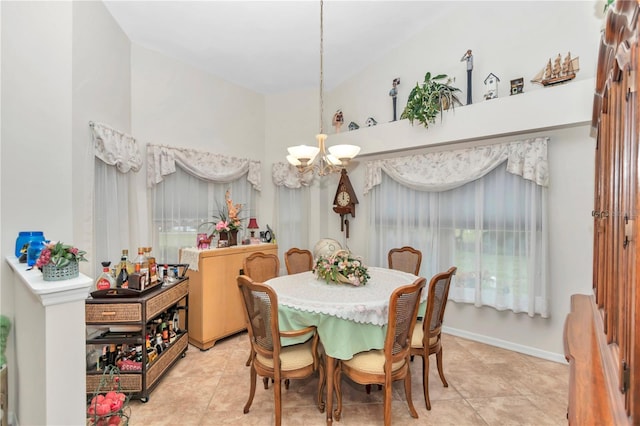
(274, 46)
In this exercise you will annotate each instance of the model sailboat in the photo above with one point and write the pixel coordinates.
(561, 71)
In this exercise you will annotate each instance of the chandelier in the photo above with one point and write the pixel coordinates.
(304, 156)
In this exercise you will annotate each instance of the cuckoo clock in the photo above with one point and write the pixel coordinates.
(345, 201)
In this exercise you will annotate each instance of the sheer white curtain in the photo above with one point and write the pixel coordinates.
(181, 202)
(188, 188)
(115, 206)
(492, 227)
(291, 207)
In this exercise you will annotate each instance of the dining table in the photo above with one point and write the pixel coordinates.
(348, 319)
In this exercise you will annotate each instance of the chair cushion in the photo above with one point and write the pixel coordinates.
(291, 357)
(371, 362)
(416, 339)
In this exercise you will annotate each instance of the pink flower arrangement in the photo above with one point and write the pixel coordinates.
(60, 255)
(341, 267)
(228, 218)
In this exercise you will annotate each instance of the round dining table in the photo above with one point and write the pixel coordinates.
(349, 319)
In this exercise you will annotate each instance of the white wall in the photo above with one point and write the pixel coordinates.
(63, 63)
(175, 104)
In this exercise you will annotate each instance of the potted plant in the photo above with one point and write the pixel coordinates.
(430, 98)
(59, 261)
(227, 222)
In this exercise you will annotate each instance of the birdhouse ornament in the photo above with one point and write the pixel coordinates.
(491, 85)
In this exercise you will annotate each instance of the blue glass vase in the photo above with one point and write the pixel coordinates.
(33, 252)
(25, 237)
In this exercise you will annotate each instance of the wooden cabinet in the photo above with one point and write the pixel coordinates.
(215, 305)
(602, 333)
(114, 314)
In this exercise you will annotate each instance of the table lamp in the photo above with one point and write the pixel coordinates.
(253, 224)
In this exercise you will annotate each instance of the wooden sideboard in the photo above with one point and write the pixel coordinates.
(602, 331)
(215, 305)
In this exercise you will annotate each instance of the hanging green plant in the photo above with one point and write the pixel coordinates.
(430, 98)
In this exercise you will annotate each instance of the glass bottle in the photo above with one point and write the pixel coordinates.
(153, 266)
(122, 281)
(141, 264)
(105, 280)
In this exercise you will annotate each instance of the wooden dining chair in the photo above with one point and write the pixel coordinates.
(427, 334)
(405, 259)
(270, 359)
(384, 366)
(298, 260)
(261, 267)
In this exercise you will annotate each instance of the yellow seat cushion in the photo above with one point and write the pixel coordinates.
(291, 357)
(371, 362)
(416, 339)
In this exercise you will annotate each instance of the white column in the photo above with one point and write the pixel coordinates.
(50, 347)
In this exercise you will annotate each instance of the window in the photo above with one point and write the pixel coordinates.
(493, 229)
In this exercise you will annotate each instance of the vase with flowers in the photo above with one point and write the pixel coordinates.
(59, 261)
(227, 222)
(341, 267)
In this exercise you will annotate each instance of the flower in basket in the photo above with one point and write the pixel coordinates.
(341, 267)
(60, 255)
(111, 407)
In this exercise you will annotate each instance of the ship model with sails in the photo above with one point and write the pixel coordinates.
(561, 71)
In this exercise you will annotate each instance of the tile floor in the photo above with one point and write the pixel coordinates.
(487, 386)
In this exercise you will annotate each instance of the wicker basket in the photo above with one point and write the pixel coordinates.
(53, 273)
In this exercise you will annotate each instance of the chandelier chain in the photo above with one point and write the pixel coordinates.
(321, 64)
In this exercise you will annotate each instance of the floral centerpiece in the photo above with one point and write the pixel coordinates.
(341, 267)
(227, 222)
(59, 261)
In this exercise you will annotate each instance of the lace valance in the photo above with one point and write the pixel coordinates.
(442, 171)
(286, 175)
(116, 148)
(162, 160)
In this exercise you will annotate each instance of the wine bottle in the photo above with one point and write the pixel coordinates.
(122, 281)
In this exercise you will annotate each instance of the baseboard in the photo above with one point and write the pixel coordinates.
(527, 350)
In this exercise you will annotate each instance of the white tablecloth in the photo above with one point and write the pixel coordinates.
(364, 304)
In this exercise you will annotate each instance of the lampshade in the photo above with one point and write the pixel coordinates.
(343, 152)
(253, 223)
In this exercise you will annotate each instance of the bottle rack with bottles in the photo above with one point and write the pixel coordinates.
(144, 335)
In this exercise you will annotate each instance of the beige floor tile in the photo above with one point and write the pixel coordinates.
(512, 410)
(487, 386)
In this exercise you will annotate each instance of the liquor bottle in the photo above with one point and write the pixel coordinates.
(123, 275)
(105, 280)
(165, 332)
(153, 266)
(141, 264)
(130, 268)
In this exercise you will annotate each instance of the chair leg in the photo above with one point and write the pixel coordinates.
(440, 370)
(277, 391)
(321, 385)
(407, 392)
(265, 381)
(248, 363)
(286, 384)
(387, 401)
(252, 389)
(337, 386)
(425, 379)
(368, 388)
